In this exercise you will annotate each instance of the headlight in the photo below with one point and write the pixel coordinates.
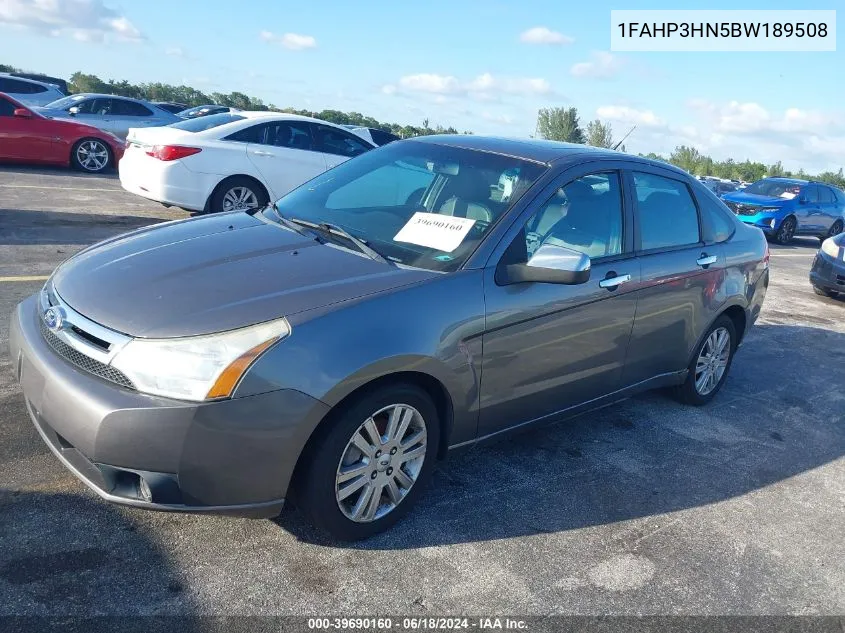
(197, 367)
(766, 209)
(829, 247)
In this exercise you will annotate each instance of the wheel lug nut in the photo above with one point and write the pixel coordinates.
(393, 451)
(389, 471)
(374, 475)
(378, 453)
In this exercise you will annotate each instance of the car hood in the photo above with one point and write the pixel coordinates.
(215, 273)
(740, 197)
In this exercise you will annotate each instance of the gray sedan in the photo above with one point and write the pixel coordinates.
(108, 112)
(331, 347)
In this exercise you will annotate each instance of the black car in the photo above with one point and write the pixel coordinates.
(171, 106)
(828, 272)
(204, 110)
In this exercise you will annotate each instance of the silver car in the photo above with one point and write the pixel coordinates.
(331, 347)
(29, 91)
(109, 112)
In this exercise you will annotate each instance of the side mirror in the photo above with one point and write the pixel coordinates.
(73, 110)
(22, 113)
(550, 264)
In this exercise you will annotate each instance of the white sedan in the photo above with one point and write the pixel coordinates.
(234, 160)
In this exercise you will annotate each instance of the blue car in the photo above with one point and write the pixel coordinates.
(786, 207)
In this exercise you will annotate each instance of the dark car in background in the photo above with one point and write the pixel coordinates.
(331, 347)
(171, 106)
(204, 110)
(61, 84)
(828, 272)
(785, 207)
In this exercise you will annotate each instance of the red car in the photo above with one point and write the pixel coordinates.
(28, 137)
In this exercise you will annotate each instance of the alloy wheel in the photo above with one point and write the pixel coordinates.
(712, 361)
(92, 155)
(787, 231)
(836, 229)
(239, 199)
(381, 462)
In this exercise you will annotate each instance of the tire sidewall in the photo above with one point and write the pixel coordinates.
(778, 238)
(689, 392)
(77, 165)
(316, 491)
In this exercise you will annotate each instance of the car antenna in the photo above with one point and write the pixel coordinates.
(624, 137)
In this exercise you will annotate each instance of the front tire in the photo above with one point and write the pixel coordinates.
(823, 292)
(91, 155)
(786, 231)
(370, 463)
(836, 229)
(710, 364)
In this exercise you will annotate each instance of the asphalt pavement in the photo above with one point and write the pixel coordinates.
(648, 507)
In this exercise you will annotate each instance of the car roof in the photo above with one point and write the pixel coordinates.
(537, 150)
(106, 96)
(798, 181)
(28, 80)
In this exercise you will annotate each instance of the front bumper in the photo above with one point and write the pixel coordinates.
(227, 457)
(765, 222)
(828, 273)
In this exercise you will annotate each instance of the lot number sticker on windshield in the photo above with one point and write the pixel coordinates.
(443, 232)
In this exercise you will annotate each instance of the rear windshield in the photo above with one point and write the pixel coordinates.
(207, 122)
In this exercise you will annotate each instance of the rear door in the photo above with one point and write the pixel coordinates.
(337, 145)
(828, 207)
(680, 274)
(808, 211)
(284, 155)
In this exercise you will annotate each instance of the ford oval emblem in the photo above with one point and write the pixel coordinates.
(54, 318)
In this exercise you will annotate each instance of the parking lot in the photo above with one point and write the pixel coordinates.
(647, 507)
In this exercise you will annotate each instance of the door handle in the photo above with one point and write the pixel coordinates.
(705, 260)
(612, 282)
(260, 153)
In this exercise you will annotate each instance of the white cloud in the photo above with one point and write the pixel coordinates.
(175, 51)
(84, 20)
(544, 35)
(625, 114)
(602, 65)
(484, 87)
(292, 41)
(503, 119)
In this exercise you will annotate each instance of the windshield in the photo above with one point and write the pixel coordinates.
(65, 102)
(207, 122)
(774, 188)
(417, 204)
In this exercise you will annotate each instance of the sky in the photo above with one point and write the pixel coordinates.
(484, 66)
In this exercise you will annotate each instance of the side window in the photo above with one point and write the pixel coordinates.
(14, 86)
(666, 212)
(810, 194)
(94, 106)
(716, 218)
(7, 108)
(290, 134)
(129, 108)
(383, 138)
(251, 134)
(332, 141)
(585, 216)
(826, 195)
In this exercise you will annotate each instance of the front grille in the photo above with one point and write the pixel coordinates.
(82, 361)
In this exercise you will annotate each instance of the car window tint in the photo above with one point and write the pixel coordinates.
(810, 194)
(383, 138)
(393, 185)
(13, 86)
(129, 108)
(584, 215)
(7, 108)
(716, 217)
(666, 212)
(98, 106)
(290, 134)
(333, 141)
(826, 195)
(251, 134)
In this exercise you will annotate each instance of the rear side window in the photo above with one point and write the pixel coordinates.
(667, 214)
(717, 224)
(810, 194)
(129, 108)
(206, 122)
(333, 141)
(13, 86)
(383, 138)
(251, 134)
(826, 195)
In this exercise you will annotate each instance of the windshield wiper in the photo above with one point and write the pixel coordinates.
(334, 229)
(293, 226)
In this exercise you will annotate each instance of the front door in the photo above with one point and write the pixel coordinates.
(549, 347)
(25, 138)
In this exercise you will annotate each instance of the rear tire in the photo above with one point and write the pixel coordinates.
(319, 488)
(836, 229)
(91, 155)
(238, 193)
(710, 359)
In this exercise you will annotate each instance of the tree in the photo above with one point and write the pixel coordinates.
(686, 158)
(560, 124)
(600, 134)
